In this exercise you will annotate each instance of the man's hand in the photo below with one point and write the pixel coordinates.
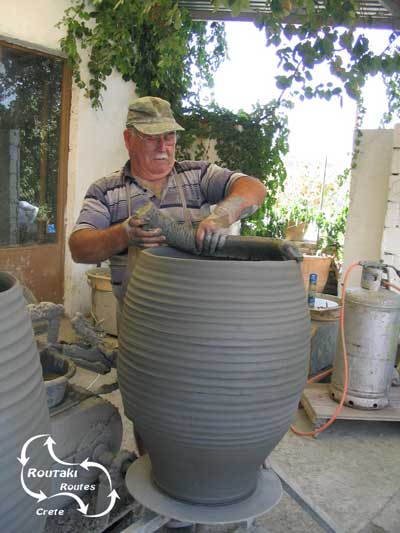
(212, 232)
(140, 237)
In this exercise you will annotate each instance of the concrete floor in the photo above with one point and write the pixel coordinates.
(351, 471)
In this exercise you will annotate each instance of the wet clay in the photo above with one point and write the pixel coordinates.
(213, 359)
(183, 237)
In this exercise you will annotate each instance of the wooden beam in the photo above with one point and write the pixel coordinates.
(393, 6)
(386, 23)
(383, 14)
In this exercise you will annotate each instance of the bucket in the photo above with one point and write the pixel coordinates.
(104, 303)
(325, 325)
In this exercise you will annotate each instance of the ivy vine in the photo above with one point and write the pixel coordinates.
(153, 43)
(254, 143)
(157, 45)
(329, 34)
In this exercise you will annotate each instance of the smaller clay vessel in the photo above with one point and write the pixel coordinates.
(23, 413)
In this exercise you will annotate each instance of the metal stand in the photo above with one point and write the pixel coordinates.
(159, 508)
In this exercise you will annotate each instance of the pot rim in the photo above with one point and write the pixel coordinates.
(7, 277)
(157, 251)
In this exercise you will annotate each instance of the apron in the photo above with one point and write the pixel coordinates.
(127, 262)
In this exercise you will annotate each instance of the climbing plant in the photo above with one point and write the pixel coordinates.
(393, 97)
(157, 45)
(254, 143)
(153, 43)
(330, 34)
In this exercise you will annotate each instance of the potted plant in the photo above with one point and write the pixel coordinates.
(331, 231)
(329, 247)
(298, 216)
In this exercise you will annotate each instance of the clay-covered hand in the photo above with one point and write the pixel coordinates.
(143, 238)
(212, 232)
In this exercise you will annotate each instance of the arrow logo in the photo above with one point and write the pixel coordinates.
(24, 458)
(113, 498)
(86, 464)
(40, 496)
(82, 507)
(50, 446)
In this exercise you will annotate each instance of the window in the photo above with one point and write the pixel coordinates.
(30, 116)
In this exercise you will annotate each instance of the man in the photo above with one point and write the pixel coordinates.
(107, 225)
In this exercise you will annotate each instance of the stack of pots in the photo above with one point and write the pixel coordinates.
(213, 360)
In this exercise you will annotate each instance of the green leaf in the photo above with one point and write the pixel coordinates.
(288, 66)
(346, 40)
(237, 6)
(361, 46)
(289, 30)
(283, 82)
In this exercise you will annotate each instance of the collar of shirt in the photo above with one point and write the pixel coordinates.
(126, 174)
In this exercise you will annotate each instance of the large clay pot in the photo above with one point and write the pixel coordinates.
(23, 413)
(213, 359)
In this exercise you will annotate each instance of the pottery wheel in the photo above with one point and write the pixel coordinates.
(140, 485)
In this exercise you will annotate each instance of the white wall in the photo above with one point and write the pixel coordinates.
(391, 233)
(368, 200)
(96, 144)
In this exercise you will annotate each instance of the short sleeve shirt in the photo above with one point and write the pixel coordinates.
(105, 202)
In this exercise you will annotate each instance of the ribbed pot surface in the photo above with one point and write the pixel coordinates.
(213, 359)
(23, 413)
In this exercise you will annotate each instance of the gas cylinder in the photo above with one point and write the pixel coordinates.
(371, 330)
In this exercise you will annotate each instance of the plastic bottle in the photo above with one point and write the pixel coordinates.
(312, 289)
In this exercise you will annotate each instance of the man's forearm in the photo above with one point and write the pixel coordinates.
(96, 245)
(245, 196)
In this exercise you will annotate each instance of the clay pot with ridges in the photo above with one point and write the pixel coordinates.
(213, 360)
(23, 413)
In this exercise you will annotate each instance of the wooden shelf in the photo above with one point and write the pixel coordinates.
(320, 407)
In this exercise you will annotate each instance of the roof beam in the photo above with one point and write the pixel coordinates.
(384, 14)
(378, 23)
(391, 5)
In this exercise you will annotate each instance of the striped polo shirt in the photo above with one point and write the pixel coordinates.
(105, 202)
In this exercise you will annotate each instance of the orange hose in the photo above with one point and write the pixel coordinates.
(345, 367)
(320, 376)
(387, 284)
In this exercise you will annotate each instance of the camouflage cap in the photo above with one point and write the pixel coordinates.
(152, 116)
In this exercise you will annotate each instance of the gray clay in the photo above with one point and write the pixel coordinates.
(213, 360)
